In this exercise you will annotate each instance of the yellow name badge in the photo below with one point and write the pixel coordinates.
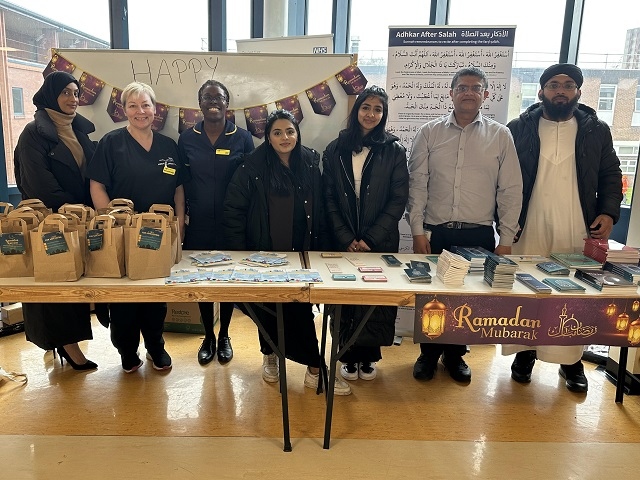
(221, 151)
(169, 170)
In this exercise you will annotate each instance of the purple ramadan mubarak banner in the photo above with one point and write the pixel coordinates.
(478, 319)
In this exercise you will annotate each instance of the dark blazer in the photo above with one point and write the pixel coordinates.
(45, 167)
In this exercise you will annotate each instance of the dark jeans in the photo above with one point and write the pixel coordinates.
(128, 320)
(443, 239)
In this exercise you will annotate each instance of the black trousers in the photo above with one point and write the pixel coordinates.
(128, 320)
(206, 313)
(443, 239)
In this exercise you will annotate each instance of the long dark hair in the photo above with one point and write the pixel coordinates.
(285, 180)
(351, 138)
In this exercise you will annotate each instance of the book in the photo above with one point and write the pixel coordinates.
(575, 260)
(605, 280)
(609, 251)
(475, 255)
(552, 268)
(527, 258)
(563, 285)
(629, 271)
(533, 283)
(418, 275)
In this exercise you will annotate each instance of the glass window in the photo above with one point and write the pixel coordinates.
(532, 52)
(162, 25)
(30, 29)
(635, 118)
(238, 22)
(529, 95)
(609, 56)
(18, 102)
(605, 103)
(370, 21)
(319, 17)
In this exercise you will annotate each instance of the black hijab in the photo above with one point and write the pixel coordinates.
(54, 83)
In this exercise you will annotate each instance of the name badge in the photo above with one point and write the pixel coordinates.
(222, 151)
(169, 170)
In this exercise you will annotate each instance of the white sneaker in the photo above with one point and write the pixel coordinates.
(367, 370)
(349, 371)
(340, 387)
(270, 368)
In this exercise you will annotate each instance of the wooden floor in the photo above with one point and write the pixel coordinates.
(225, 422)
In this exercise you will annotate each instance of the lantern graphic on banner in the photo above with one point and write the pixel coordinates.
(611, 309)
(635, 306)
(622, 322)
(433, 315)
(634, 333)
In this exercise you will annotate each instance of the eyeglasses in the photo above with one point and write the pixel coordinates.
(557, 86)
(466, 88)
(70, 93)
(216, 99)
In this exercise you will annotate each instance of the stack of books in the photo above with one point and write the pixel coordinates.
(265, 259)
(209, 259)
(476, 255)
(452, 269)
(604, 280)
(610, 251)
(418, 272)
(499, 272)
(576, 260)
(628, 271)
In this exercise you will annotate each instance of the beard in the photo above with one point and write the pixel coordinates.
(559, 111)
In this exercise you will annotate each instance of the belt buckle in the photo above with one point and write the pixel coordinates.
(454, 225)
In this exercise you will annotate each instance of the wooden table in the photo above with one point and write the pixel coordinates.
(114, 290)
(400, 292)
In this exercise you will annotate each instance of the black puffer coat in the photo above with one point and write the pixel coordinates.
(384, 190)
(246, 206)
(597, 165)
(384, 193)
(44, 165)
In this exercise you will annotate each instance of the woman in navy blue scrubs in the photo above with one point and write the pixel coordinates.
(211, 150)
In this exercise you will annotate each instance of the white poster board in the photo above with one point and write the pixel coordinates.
(421, 64)
(314, 44)
(252, 80)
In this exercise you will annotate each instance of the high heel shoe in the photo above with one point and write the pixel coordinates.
(88, 365)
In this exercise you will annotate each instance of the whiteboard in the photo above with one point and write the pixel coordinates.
(252, 80)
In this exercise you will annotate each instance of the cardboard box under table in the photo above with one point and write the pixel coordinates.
(184, 317)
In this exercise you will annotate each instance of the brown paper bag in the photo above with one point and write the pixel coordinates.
(176, 241)
(16, 259)
(83, 212)
(36, 204)
(116, 203)
(5, 208)
(50, 264)
(33, 217)
(141, 261)
(107, 259)
(74, 221)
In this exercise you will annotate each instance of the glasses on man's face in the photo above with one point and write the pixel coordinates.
(216, 99)
(466, 88)
(70, 93)
(569, 86)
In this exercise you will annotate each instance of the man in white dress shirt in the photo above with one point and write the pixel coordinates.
(572, 189)
(463, 171)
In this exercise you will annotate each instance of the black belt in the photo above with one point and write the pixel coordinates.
(457, 225)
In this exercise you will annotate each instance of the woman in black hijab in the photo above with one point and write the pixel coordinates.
(50, 160)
